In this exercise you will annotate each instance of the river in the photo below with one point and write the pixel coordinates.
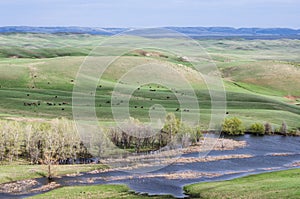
(268, 153)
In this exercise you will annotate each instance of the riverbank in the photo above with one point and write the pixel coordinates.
(22, 179)
(279, 184)
(95, 192)
(12, 173)
(22, 171)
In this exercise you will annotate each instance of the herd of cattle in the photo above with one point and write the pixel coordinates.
(38, 103)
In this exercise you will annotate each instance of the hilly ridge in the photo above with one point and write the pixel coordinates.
(195, 32)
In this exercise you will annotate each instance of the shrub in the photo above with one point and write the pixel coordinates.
(283, 129)
(257, 128)
(233, 126)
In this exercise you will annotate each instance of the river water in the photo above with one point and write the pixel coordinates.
(269, 153)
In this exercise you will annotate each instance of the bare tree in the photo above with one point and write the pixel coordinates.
(2, 141)
(284, 128)
(268, 128)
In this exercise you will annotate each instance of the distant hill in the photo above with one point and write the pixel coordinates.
(215, 32)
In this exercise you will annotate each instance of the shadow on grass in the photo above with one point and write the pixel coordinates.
(41, 174)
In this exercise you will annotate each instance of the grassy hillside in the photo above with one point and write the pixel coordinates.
(282, 184)
(96, 191)
(261, 78)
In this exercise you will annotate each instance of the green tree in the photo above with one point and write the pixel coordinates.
(171, 125)
(233, 126)
(257, 128)
(184, 134)
(198, 134)
(13, 139)
(59, 142)
(2, 141)
(32, 139)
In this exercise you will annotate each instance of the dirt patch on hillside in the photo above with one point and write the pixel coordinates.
(291, 97)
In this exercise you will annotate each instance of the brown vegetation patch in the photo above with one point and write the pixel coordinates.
(271, 168)
(171, 176)
(296, 164)
(26, 119)
(213, 158)
(18, 186)
(219, 144)
(74, 174)
(50, 186)
(281, 154)
(26, 186)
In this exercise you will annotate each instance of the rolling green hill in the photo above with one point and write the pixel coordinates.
(261, 78)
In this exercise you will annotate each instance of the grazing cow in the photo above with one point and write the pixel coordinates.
(72, 80)
(163, 56)
(62, 109)
(27, 94)
(55, 96)
(153, 90)
(177, 109)
(135, 106)
(142, 106)
(168, 97)
(64, 103)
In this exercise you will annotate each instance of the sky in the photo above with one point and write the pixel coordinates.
(151, 13)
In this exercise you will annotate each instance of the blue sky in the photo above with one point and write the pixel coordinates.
(151, 13)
